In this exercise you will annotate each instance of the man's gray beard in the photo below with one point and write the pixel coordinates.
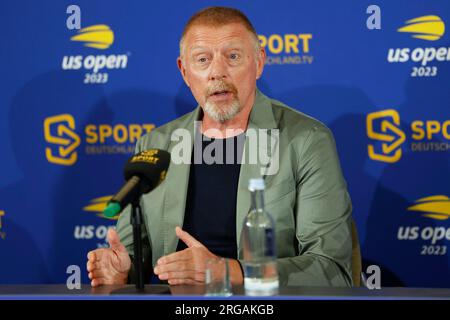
(222, 114)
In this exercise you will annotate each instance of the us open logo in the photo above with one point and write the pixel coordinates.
(426, 29)
(434, 238)
(97, 66)
(95, 232)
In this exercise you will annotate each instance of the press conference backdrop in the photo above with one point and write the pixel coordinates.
(80, 84)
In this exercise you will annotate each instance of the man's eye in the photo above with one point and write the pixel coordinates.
(202, 60)
(234, 56)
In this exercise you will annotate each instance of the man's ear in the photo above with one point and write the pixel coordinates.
(261, 61)
(182, 70)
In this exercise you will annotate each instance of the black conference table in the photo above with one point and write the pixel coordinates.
(164, 292)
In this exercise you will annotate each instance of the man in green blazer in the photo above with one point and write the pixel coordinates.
(220, 61)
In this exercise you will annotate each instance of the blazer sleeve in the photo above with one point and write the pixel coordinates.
(323, 217)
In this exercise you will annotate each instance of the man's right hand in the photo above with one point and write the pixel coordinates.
(109, 265)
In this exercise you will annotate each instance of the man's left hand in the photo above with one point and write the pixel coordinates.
(188, 266)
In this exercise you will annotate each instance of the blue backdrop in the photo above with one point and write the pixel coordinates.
(71, 112)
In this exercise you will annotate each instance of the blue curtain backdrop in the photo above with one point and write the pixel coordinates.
(73, 102)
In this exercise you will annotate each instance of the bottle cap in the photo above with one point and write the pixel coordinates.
(256, 184)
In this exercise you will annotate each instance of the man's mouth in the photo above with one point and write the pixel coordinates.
(220, 93)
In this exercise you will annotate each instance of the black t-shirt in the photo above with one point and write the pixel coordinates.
(210, 214)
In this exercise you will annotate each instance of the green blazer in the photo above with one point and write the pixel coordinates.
(307, 196)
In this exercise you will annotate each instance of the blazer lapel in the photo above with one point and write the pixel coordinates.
(261, 117)
(178, 181)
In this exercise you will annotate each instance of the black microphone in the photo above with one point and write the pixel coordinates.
(143, 172)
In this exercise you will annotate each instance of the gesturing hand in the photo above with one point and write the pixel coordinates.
(188, 266)
(109, 265)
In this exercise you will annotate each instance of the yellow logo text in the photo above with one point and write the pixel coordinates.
(120, 133)
(149, 156)
(288, 43)
(287, 48)
(428, 129)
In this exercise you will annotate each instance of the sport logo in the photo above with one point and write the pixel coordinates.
(287, 49)
(98, 36)
(391, 136)
(66, 140)
(430, 28)
(98, 138)
(434, 207)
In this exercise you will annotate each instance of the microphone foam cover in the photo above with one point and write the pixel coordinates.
(150, 166)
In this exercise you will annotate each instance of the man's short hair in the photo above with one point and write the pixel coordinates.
(217, 17)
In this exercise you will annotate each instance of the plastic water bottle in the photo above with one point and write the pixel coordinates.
(258, 236)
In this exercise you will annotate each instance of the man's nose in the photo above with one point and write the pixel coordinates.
(218, 70)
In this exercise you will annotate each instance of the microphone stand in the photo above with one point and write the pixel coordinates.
(138, 261)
